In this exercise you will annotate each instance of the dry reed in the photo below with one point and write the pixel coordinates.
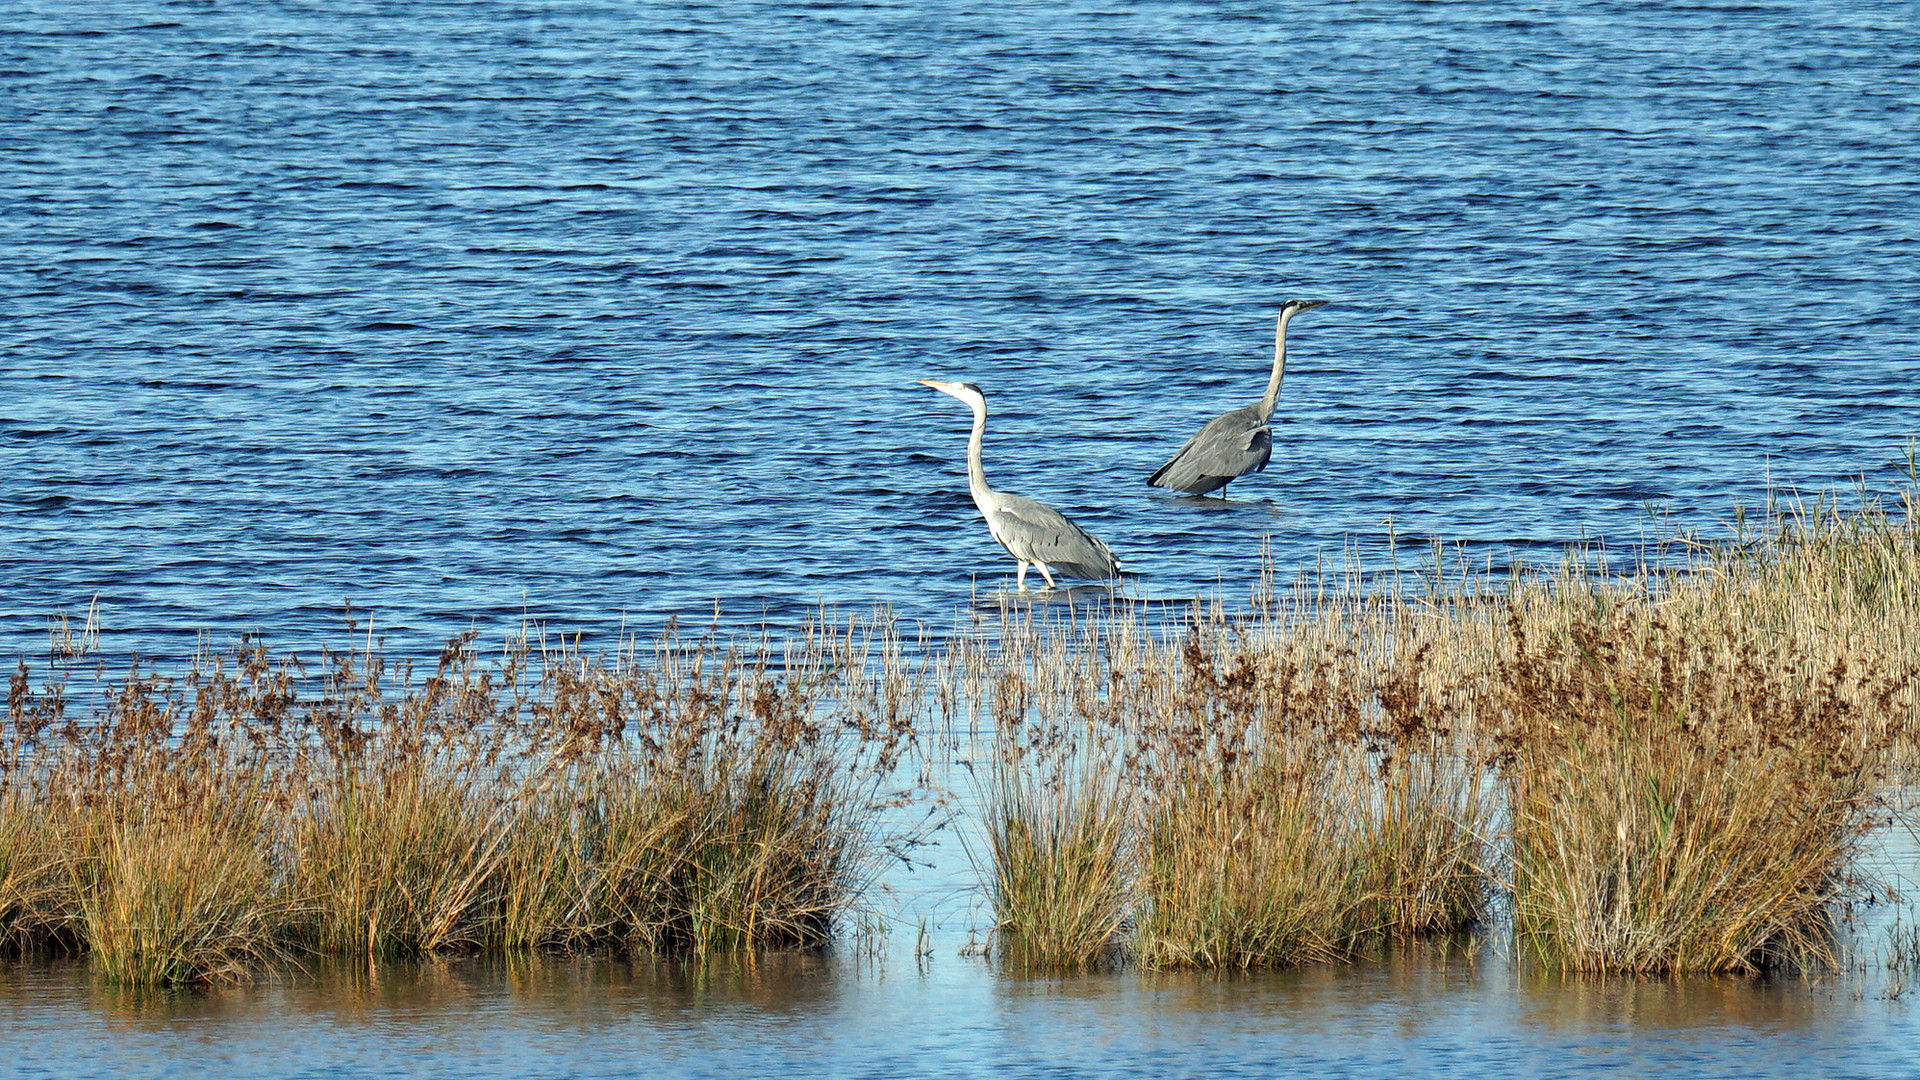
(1680, 761)
(1663, 771)
(702, 798)
(1228, 794)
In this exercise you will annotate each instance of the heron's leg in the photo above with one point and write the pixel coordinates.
(1042, 567)
(1020, 579)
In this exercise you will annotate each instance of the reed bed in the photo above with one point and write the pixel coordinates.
(1663, 771)
(1234, 794)
(1658, 772)
(695, 798)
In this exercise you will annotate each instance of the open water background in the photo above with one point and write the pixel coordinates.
(598, 313)
(461, 312)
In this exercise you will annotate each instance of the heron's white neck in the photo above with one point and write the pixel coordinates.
(1272, 396)
(976, 471)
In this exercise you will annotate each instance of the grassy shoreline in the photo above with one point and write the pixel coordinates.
(698, 799)
(1657, 773)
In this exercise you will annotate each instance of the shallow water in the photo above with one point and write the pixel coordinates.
(461, 313)
(951, 1016)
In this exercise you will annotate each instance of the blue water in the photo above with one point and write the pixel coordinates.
(804, 1017)
(596, 313)
(592, 312)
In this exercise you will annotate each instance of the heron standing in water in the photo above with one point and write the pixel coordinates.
(1232, 444)
(1031, 531)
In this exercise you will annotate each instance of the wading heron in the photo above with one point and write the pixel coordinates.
(1232, 444)
(1032, 532)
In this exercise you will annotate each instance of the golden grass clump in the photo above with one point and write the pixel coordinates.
(1059, 860)
(1257, 870)
(395, 863)
(1683, 799)
(719, 804)
(705, 798)
(1666, 771)
(175, 902)
(32, 872)
(1252, 845)
(1225, 796)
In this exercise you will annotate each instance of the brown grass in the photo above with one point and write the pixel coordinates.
(1058, 860)
(1685, 798)
(1228, 794)
(1679, 762)
(700, 798)
(1658, 772)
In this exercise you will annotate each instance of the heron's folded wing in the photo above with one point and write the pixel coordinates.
(1045, 534)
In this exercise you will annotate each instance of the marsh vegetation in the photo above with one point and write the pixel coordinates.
(1666, 771)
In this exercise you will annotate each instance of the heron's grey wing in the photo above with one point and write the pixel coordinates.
(1231, 445)
(1260, 448)
(1036, 532)
(1176, 469)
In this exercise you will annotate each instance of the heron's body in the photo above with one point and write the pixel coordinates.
(1236, 443)
(1032, 532)
(1226, 448)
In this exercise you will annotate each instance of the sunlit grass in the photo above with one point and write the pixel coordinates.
(1666, 771)
(1056, 834)
(1681, 799)
(1663, 771)
(699, 798)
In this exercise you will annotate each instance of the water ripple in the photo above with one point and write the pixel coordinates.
(450, 317)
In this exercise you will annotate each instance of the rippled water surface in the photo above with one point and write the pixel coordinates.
(797, 1016)
(602, 312)
(592, 311)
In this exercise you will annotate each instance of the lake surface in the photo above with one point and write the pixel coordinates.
(596, 313)
(812, 1017)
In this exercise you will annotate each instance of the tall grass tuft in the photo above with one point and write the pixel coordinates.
(1259, 868)
(1058, 844)
(698, 798)
(1253, 852)
(1429, 827)
(1683, 799)
(1427, 847)
(1220, 794)
(180, 901)
(395, 862)
(33, 871)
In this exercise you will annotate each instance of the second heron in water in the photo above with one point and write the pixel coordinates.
(1031, 531)
(1233, 444)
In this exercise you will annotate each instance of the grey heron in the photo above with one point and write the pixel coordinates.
(1235, 443)
(1031, 531)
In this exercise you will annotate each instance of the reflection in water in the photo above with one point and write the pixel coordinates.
(558, 990)
(1411, 1012)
